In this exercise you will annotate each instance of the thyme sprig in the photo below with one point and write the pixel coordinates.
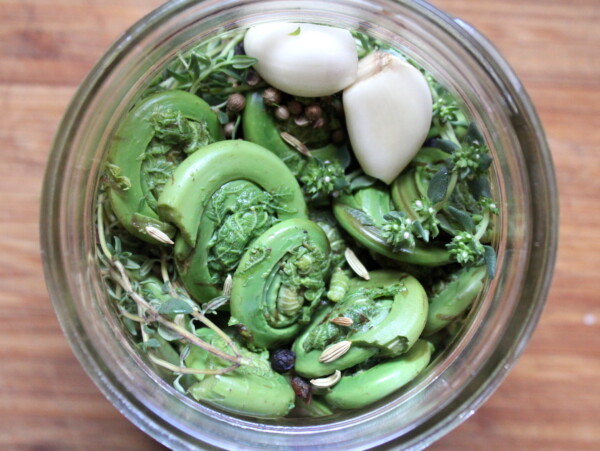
(215, 68)
(116, 264)
(452, 179)
(322, 179)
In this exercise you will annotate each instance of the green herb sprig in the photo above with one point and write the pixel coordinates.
(211, 70)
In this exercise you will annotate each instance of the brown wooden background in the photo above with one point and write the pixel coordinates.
(551, 400)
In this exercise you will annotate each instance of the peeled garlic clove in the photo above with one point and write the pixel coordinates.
(388, 114)
(303, 59)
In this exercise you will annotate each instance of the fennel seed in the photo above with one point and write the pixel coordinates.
(158, 235)
(296, 143)
(335, 351)
(227, 285)
(214, 304)
(356, 264)
(329, 381)
(342, 321)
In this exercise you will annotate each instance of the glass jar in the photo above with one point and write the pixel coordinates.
(459, 381)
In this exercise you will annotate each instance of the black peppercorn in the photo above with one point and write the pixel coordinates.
(283, 360)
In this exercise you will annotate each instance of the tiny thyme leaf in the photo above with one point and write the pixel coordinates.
(360, 216)
(489, 256)
(151, 343)
(167, 334)
(473, 134)
(421, 231)
(362, 181)
(185, 352)
(444, 144)
(480, 187)
(463, 218)
(243, 61)
(223, 117)
(438, 186)
(175, 306)
(296, 32)
(131, 326)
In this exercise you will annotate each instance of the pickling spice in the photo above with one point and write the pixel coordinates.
(268, 216)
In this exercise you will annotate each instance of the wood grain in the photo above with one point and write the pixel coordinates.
(551, 400)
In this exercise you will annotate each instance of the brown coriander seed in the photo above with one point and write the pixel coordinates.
(313, 112)
(236, 103)
(228, 129)
(253, 78)
(272, 96)
(338, 136)
(295, 108)
(282, 113)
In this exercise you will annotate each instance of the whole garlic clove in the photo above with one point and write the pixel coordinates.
(388, 114)
(303, 59)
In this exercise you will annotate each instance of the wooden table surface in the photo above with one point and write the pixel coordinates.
(551, 400)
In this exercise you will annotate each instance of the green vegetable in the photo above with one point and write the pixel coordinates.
(315, 408)
(366, 387)
(253, 389)
(324, 219)
(449, 303)
(206, 249)
(144, 154)
(338, 286)
(321, 173)
(388, 313)
(220, 199)
(259, 127)
(154, 291)
(207, 70)
(363, 215)
(279, 282)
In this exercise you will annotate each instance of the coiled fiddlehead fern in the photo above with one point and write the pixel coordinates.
(388, 315)
(220, 199)
(363, 214)
(370, 385)
(449, 302)
(279, 281)
(149, 144)
(252, 389)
